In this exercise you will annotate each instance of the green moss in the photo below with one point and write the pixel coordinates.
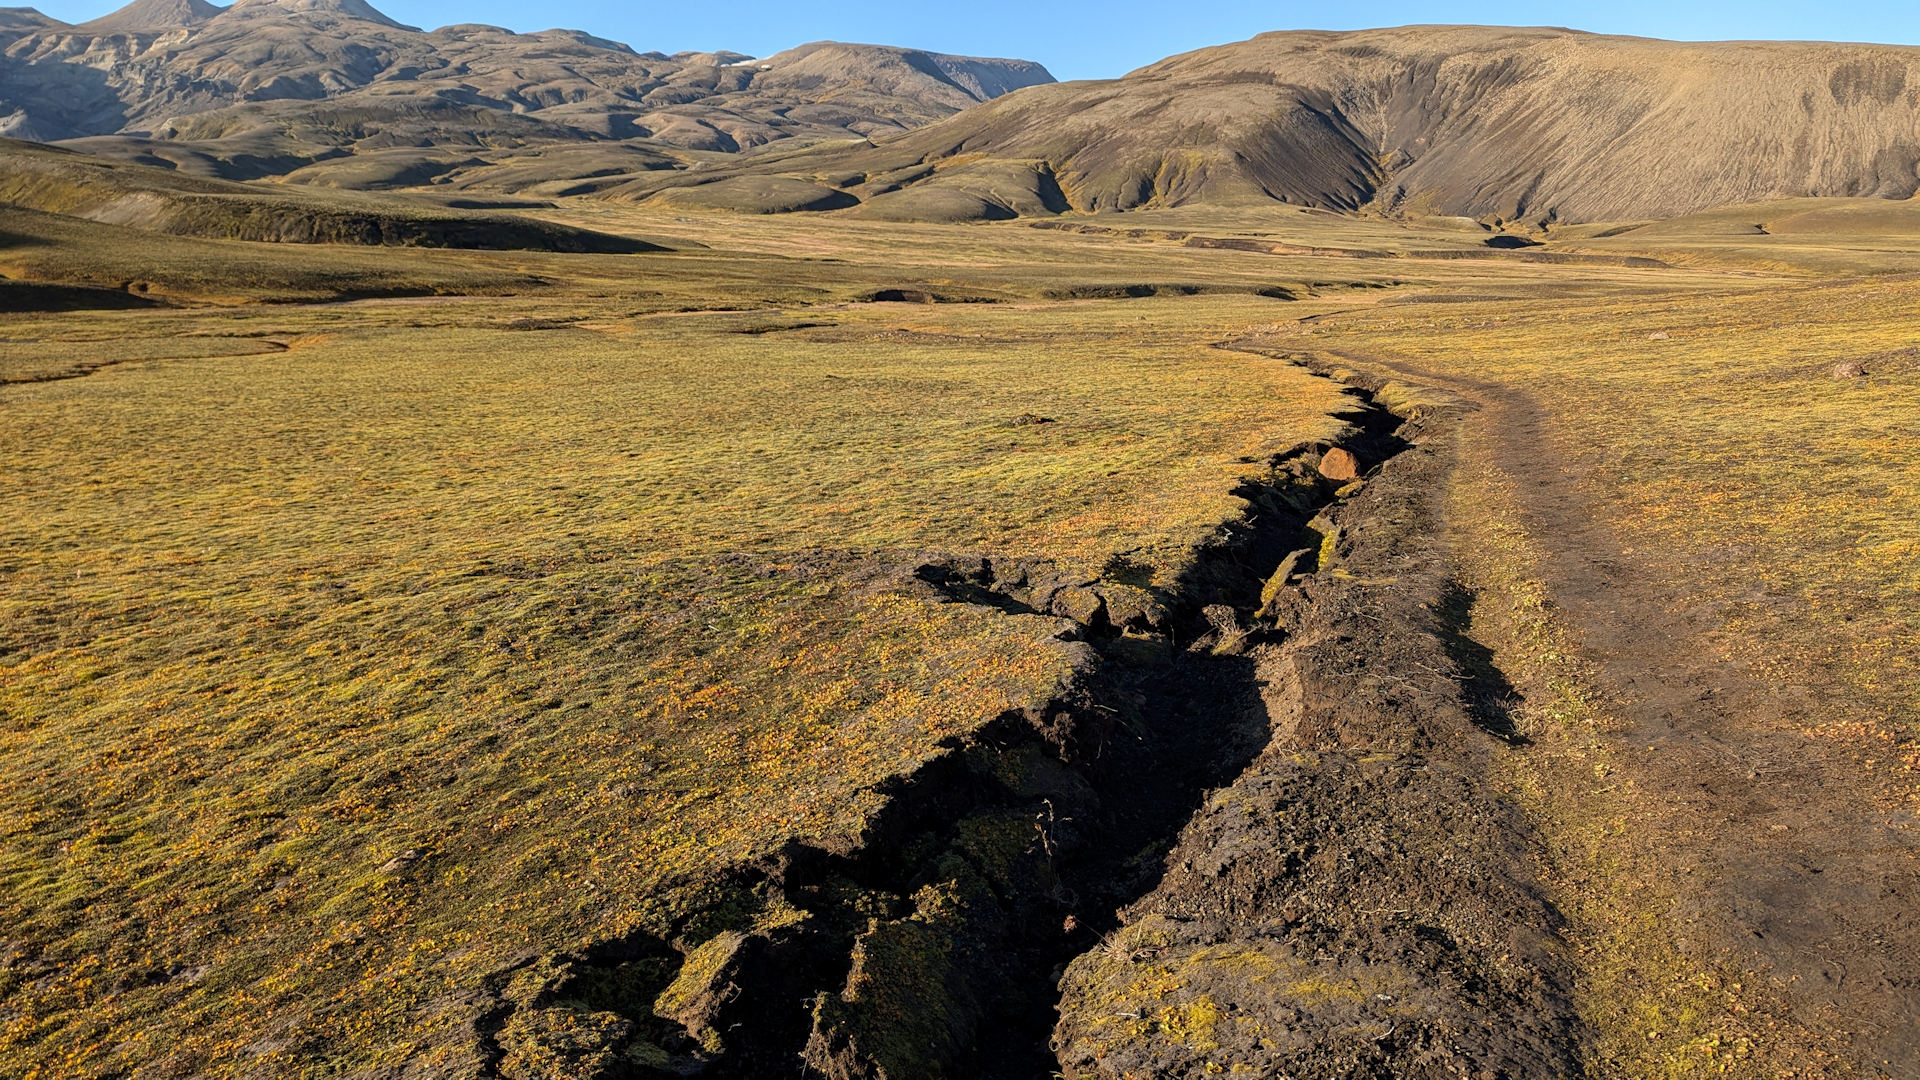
(899, 1012)
(1010, 849)
(698, 973)
(563, 1044)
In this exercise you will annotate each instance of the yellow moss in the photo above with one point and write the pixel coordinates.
(1194, 1024)
(697, 972)
(552, 588)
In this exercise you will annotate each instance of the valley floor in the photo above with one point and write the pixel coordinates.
(1166, 646)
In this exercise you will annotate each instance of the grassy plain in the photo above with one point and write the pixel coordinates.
(355, 652)
(1761, 506)
(1724, 451)
(358, 655)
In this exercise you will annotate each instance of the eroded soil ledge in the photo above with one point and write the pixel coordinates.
(1358, 901)
(1257, 835)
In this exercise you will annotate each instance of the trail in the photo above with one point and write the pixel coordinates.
(1274, 759)
(1269, 830)
(1360, 900)
(1786, 871)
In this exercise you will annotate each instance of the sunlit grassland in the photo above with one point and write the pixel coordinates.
(1801, 237)
(1020, 258)
(1606, 878)
(576, 616)
(352, 653)
(1725, 455)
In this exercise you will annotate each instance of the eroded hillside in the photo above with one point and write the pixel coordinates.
(265, 86)
(1517, 124)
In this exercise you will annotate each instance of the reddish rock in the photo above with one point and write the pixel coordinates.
(1338, 464)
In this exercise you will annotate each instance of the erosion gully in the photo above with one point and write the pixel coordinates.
(1274, 766)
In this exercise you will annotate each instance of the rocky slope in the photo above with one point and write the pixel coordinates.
(1534, 124)
(266, 85)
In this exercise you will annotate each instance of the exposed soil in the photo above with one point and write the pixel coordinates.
(1265, 833)
(1092, 794)
(1358, 902)
(1784, 864)
(1277, 759)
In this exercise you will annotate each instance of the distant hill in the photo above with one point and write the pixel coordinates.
(151, 17)
(1519, 124)
(59, 181)
(25, 20)
(265, 86)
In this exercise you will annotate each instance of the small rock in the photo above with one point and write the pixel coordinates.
(1338, 464)
(1223, 619)
(401, 861)
(1849, 369)
(1030, 419)
(1658, 335)
(1229, 638)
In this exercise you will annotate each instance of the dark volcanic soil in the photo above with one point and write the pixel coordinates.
(1787, 871)
(1274, 833)
(1358, 901)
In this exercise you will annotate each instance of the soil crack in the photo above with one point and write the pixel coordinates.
(1000, 914)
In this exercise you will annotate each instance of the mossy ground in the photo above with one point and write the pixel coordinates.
(343, 675)
(1718, 451)
(353, 655)
(1721, 449)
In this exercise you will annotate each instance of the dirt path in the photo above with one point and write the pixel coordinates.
(1781, 860)
(1359, 902)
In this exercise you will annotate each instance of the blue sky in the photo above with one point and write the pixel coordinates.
(1101, 38)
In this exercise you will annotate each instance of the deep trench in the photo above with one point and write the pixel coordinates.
(1105, 778)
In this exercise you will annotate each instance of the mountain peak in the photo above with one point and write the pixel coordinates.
(344, 9)
(26, 18)
(152, 16)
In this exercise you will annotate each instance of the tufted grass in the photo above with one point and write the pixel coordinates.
(352, 655)
(360, 655)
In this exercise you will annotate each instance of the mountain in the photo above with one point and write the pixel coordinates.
(265, 86)
(151, 17)
(58, 181)
(25, 20)
(1533, 124)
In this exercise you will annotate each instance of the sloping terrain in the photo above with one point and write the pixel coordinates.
(243, 87)
(846, 615)
(1536, 124)
(540, 772)
(60, 181)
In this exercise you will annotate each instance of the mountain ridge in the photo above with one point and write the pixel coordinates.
(1541, 124)
(1505, 124)
(237, 89)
